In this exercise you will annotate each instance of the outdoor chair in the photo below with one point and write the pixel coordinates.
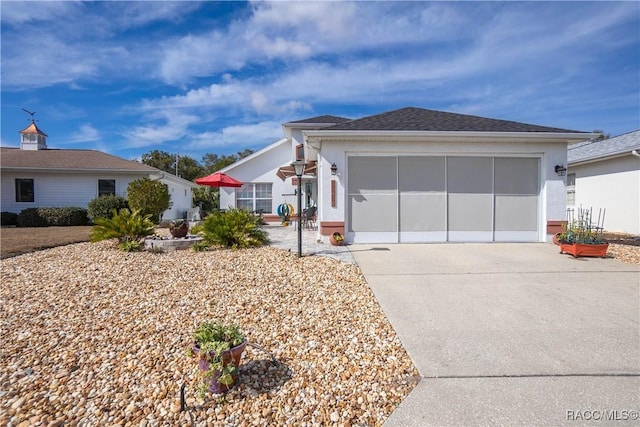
(308, 218)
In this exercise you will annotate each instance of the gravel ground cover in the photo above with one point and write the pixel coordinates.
(94, 336)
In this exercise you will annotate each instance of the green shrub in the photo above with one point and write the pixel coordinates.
(44, 217)
(65, 216)
(126, 226)
(102, 206)
(8, 218)
(149, 197)
(31, 217)
(235, 228)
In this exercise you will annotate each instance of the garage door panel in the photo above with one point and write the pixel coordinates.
(516, 176)
(470, 212)
(421, 174)
(516, 213)
(470, 175)
(373, 213)
(372, 174)
(423, 212)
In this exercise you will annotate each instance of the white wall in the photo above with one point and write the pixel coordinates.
(614, 185)
(58, 190)
(262, 169)
(181, 200)
(553, 187)
(75, 189)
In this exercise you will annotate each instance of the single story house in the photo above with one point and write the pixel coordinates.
(605, 175)
(35, 176)
(415, 175)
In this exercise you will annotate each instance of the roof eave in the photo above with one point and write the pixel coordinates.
(594, 159)
(253, 155)
(382, 134)
(70, 170)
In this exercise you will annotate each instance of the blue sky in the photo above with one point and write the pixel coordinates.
(219, 77)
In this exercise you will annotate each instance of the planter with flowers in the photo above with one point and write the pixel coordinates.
(336, 239)
(218, 348)
(583, 236)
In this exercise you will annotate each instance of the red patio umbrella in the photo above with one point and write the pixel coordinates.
(218, 179)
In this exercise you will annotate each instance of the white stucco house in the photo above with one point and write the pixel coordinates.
(605, 175)
(34, 176)
(415, 175)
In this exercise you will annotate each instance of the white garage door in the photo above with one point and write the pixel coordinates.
(442, 198)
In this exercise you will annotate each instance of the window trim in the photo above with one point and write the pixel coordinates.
(253, 197)
(104, 193)
(19, 193)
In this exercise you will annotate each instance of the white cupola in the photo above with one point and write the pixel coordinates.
(32, 138)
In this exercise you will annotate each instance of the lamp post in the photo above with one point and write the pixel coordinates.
(298, 167)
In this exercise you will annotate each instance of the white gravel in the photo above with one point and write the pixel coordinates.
(94, 336)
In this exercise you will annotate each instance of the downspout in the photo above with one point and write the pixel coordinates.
(635, 153)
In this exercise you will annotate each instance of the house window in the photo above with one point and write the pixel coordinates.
(300, 152)
(571, 189)
(254, 197)
(24, 190)
(106, 187)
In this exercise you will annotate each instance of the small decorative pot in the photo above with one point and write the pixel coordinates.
(336, 239)
(234, 355)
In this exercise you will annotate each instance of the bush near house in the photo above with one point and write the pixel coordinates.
(8, 218)
(149, 197)
(103, 206)
(44, 217)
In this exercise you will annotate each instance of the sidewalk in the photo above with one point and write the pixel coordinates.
(287, 238)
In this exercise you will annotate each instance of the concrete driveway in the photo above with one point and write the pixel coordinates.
(511, 334)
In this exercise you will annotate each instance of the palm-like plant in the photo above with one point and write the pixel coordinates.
(235, 228)
(126, 226)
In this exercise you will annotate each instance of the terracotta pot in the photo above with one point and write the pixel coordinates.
(556, 240)
(582, 249)
(335, 242)
(234, 354)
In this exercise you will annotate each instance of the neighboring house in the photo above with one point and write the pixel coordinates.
(605, 175)
(34, 176)
(415, 175)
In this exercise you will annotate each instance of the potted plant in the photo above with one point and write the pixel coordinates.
(179, 228)
(582, 237)
(336, 239)
(218, 348)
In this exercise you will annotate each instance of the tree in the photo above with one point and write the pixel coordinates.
(150, 197)
(188, 167)
(160, 160)
(602, 135)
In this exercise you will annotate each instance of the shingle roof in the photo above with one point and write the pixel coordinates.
(420, 119)
(323, 119)
(68, 159)
(590, 150)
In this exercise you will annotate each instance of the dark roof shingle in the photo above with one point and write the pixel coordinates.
(323, 119)
(420, 119)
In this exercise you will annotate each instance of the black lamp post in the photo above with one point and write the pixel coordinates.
(298, 166)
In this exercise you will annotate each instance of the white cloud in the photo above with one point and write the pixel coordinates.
(173, 126)
(86, 133)
(247, 135)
